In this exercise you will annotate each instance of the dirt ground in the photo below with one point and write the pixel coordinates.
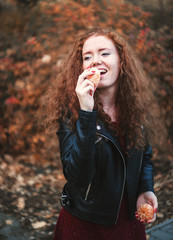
(30, 191)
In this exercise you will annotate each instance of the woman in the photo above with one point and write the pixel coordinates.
(104, 138)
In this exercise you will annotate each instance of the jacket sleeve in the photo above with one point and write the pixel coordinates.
(77, 148)
(146, 175)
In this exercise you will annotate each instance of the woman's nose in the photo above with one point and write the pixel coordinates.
(96, 62)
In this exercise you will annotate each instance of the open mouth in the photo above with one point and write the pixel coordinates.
(103, 71)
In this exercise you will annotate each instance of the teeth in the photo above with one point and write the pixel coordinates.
(103, 71)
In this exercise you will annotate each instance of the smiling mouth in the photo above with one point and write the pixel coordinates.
(102, 72)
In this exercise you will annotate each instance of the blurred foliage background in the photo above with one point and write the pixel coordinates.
(37, 34)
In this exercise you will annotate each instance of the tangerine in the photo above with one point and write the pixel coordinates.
(95, 78)
(145, 212)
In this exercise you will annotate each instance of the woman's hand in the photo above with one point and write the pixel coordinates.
(150, 198)
(85, 91)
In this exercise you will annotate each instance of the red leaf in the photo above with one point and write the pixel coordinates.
(12, 100)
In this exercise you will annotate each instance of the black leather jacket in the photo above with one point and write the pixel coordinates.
(97, 172)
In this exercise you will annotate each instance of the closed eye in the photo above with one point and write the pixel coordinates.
(86, 58)
(105, 54)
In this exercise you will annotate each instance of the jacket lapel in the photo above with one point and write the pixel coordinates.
(100, 129)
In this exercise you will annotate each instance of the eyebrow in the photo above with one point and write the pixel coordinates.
(101, 49)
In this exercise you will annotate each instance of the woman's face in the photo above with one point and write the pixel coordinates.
(100, 52)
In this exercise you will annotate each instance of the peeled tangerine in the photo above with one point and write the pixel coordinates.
(145, 212)
(95, 78)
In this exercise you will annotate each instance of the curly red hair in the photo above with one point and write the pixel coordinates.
(135, 101)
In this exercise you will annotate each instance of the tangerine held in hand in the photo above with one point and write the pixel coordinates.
(95, 78)
(145, 212)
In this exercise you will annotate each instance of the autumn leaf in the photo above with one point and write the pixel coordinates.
(12, 100)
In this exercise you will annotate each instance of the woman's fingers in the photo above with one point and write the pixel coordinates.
(149, 198)
(136, 215)
(84, 87)
(138, 218)
(148, 221)
(82, 76)
(87, 72)
(85, 90)
(155, 204)
(83, 84)
(153, 219)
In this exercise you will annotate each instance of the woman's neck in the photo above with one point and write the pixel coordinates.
(108, 101)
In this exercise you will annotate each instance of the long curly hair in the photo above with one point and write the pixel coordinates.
(135, 102)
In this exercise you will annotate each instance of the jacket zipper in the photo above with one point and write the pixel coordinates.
(89, 186)
(141, 161)
(124, 172)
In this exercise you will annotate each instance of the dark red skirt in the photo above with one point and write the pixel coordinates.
(70, 227)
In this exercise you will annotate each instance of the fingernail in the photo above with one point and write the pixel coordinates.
(93, 71)
(87, 67)
(155, 210)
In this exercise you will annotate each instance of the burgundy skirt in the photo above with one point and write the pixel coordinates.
(70, 227)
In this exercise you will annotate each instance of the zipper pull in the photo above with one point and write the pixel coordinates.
(87, 192)
(98, 140)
